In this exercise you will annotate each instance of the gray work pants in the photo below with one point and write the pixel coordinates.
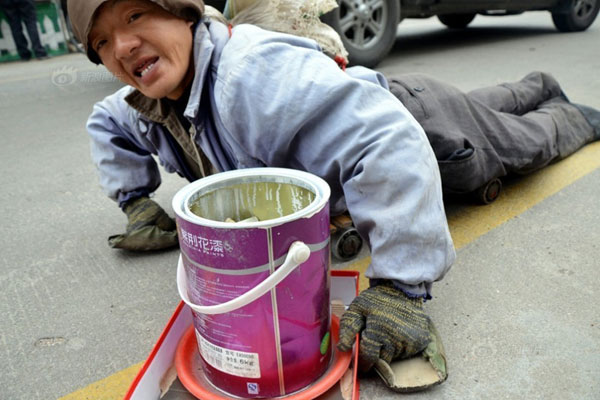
(513, 128)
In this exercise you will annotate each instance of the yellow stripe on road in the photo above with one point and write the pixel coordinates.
(466, 224)
(113, 387)
(469, 223)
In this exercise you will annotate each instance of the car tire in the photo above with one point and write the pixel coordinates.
(580, 14)
(456, 21)
(368, 33)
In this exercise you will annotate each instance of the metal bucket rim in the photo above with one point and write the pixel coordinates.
(309, 181)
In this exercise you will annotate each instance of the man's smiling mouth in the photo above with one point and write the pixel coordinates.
(145, 67)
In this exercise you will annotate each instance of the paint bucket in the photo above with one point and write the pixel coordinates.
(259, 290)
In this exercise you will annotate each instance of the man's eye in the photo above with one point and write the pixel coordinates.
(135, 16)
(100, 44)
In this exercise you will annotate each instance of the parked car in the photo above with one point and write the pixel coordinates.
(218, 4)
(368, 27)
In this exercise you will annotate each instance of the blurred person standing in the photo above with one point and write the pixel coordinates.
(23, 11)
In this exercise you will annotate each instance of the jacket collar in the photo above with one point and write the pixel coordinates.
(154, 109)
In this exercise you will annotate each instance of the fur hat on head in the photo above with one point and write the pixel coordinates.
(81, 15)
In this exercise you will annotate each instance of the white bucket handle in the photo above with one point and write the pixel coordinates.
(297, 254)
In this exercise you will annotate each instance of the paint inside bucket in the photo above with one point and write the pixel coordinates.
(278, 343)
(261, 200)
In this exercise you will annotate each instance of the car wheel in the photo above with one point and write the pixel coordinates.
(456, 21)
(579, 15)
(367, 28)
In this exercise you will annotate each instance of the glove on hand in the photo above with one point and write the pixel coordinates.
(148, 228)
(395, 325)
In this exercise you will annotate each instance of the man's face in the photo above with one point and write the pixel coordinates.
(144, 46)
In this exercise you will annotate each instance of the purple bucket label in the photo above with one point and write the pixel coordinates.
(224, 248)
(280, 342)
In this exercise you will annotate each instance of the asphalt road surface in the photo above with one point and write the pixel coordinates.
(518, 312)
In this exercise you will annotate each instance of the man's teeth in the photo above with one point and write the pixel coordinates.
(148, 68)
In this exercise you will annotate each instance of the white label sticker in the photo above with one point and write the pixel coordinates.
(233, 362)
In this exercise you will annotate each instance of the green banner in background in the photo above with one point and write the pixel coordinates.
(49, 28)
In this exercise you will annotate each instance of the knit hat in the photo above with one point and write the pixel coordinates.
(81, 13)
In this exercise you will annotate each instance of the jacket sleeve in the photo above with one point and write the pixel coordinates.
(303, 112)
(124, 161)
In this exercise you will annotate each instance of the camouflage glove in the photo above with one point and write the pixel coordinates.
(392, 324)
(148, 228)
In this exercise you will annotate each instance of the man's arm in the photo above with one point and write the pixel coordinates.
(289, 106)
(125, 165)
(128, 174)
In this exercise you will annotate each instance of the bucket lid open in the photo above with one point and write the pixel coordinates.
(227, 194)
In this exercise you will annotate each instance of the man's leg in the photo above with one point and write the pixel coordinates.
(573, 129)
(29, 15)
(452, 123)
(487, 133)
(539, 98)
(11, 10)
(592, 116)
(519, 97)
